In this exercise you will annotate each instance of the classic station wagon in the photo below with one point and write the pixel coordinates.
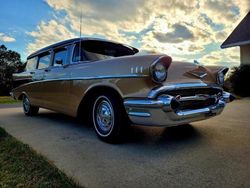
(106, 82)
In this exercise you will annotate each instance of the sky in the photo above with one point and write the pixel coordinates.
(186, 30)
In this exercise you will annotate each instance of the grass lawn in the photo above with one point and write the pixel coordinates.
(7, 100)
(20, 166)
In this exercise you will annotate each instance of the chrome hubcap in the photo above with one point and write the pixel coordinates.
(104, 116)
(26, 104)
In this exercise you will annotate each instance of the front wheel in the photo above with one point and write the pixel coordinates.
(28, 109)
(109, 117)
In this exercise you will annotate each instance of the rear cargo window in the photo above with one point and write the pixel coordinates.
(44, 61)
(31, 64)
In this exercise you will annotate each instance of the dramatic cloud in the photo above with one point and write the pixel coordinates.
(6, 38)
(48, 33)
(187, 30)
(221, 57)
(178, 34)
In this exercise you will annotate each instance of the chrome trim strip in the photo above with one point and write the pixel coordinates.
(109, 77)
(90, 78)
(207, 110)
(197, 75)
(154, 92)
(139, 114)
(143, 103)
(199, 97)
(162, 101)
(192, 112)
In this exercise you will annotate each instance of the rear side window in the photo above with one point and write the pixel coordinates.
(60, 55)
(44, 61)
(79, 54)
(31, 64)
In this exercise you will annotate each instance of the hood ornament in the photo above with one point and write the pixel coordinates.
(198, 73)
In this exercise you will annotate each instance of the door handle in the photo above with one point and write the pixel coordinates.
(46, 70)
(32, 72)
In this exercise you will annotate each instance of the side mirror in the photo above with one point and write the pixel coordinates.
(59, 61)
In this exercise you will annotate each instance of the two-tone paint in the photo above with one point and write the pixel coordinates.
(63, 88)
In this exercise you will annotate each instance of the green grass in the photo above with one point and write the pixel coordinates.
(20, 166)
(7, 100)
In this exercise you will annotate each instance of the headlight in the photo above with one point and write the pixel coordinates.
(159, 73)
(220, 78)
(159, 69)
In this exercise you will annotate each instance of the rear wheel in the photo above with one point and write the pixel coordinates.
(109, 117)
(28, 109)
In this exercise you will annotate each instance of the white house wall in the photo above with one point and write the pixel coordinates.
(245, 54)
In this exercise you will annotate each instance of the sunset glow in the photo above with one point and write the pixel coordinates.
(185, 30)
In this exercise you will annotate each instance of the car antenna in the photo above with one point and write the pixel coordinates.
(80, 32)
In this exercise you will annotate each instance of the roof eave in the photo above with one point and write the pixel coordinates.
(241, 43)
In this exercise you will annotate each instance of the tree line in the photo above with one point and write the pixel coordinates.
(10, 62)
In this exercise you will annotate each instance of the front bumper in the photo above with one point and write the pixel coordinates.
(163, 111)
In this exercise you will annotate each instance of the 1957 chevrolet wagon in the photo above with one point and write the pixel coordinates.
(106, 82)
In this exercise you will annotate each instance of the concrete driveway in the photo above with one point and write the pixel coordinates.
(211, 153)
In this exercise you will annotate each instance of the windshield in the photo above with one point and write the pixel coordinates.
(92, 50)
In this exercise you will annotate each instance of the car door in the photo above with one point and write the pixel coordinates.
(57, 81)
(32, 76)
(38, 77)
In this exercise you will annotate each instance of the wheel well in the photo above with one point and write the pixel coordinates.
(89, 97)
(21, 96)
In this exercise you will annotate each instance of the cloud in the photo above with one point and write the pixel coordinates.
(5, 38)
(194, 48)
(220, 11)
(229, 57)
(178, 34)
(48, 33)
(178, 28)
(221, 36)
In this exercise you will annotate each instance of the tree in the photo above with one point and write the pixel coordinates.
(10, 62)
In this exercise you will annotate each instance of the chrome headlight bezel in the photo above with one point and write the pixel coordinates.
(158, 72)
(159, 69)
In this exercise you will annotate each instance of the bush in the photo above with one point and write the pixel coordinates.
(239, 80)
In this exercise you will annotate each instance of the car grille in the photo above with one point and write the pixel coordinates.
(184, 105)
(208, 97)
(194, 91)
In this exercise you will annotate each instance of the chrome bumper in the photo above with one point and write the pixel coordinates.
(163, 111)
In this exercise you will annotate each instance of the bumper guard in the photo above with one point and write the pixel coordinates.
(163, 111)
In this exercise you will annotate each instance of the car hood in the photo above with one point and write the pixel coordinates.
(178, 72)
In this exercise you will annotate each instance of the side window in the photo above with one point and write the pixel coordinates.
(44, 61)
(31, 64)
(79, 54)
(60, 57)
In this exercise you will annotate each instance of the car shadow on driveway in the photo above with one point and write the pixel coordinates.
(135, 135)
(181, 134)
